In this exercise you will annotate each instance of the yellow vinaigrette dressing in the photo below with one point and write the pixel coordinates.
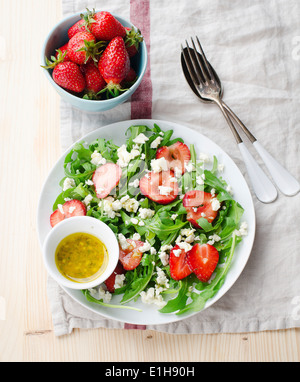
(81, 257)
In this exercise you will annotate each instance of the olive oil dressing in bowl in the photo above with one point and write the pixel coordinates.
(81, 257)
(81, 252)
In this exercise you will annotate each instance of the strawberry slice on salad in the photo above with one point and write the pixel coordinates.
(161, 187)
(179, 268)
(69, 209)
(198, 205)
(106, 178)
(202, 260)
(110, 282)
(131, 257)
(177, 155)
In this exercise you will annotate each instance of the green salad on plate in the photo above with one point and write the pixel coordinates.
(172, 212)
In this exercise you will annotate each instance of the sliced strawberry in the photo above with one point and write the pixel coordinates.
(179, 268)
(131, 256)
(70, 209)
(161, 187)
(110, 282)
(202, 260)
(198, 205)
(176, 155)
(106, 178)
(56, 217)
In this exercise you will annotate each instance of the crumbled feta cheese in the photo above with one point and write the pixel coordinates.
(150, 297)
(107, 206)
(213, 238)
(158, 165)
(189, 166)
(72, 209)
(184, 245)
(135, 183)
(215, 204)
(156, 143)
(143, 156)
(145, 247)
(60, 207)
(203, 214)
(119, 281)
(213, 192)
(136, 236)
(153, 251)
(243, 231)
(189, 234)
(89, 182)
(141, 139)
(141, 223)
(162, 278)
(123, 242)
(177, 252)
(146, 213)
(134, 221)
(100, 294)
(116, 205)
(125, 157)
(97, 159)
(164, 257)
(165, 190)
(68, 183)
(174, 216)
(130, 205)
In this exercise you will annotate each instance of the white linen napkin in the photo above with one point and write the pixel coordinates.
(254, 46)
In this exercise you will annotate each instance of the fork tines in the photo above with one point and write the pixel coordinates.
(196, 63)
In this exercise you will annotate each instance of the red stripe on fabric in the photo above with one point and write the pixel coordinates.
(141, 100)
(131, 326)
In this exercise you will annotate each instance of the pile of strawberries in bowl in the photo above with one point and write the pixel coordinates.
(100, 59)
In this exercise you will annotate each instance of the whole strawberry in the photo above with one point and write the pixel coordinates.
(104, 26)
(114, 65)
(132, 41)
(94, 80)
(63, 50)
(79, 26)
(81, 47)
(68, 75)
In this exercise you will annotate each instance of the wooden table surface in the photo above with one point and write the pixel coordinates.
(30, 145)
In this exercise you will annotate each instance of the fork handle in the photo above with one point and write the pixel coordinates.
(262, 186)
(285, 181)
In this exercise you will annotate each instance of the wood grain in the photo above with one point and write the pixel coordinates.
(30, 145)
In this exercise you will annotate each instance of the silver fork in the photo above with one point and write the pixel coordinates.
(205, 82)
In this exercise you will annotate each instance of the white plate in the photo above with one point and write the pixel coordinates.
(233, 176)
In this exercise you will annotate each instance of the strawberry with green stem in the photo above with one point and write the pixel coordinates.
(83, 46)
(103, 25)
(66, 74)
(114, 66)
(132, 40)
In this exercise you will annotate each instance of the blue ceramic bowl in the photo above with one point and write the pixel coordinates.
(59, 36)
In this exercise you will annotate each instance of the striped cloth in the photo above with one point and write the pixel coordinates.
(254, 47)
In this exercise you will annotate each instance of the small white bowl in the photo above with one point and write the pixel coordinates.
(77, 224)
